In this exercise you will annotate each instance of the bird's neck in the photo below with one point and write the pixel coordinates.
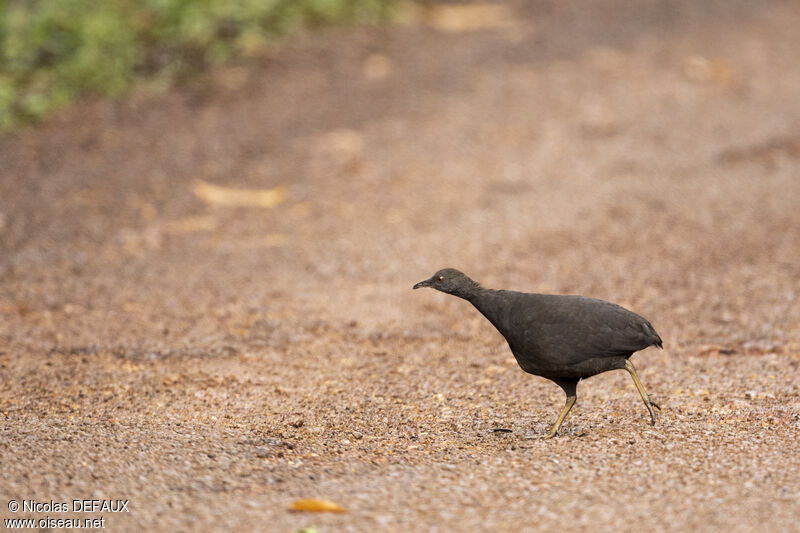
(487, 303)
(469, 292)
(481, 297)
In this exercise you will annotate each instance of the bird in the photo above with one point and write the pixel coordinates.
(563, 338)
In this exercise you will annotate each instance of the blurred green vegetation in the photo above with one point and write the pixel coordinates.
(54, 51)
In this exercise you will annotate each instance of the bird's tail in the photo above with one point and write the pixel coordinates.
(657, 342)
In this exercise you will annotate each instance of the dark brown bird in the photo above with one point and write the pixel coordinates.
(562, 338)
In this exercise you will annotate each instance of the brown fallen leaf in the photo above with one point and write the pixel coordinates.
(494, 369)
(459, 18)
(375, 67)
(702, 71)
(715, 350)
(342, 141)
(315, 505)
(13, 307)
(192, 224)
(172, 379)
(131, 307)
(129, 366)
(217, 195)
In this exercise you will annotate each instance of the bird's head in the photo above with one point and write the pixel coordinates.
(451, 281)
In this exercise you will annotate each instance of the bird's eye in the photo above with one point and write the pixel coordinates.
(439, 279)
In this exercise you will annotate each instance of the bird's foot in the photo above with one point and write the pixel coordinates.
(654, 404)
(546, 436)
(650, 408)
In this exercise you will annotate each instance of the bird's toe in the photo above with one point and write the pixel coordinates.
(539, 437)
(654, 404)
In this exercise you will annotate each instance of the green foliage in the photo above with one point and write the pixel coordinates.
(53, 51)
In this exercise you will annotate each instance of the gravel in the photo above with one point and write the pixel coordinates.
(212, 364)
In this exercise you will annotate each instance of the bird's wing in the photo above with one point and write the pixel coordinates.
(570, 329)
(612, 330)
(559, 330)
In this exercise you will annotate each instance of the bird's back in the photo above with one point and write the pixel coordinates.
(548, 333)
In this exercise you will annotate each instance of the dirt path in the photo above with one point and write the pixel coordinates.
(211, 364)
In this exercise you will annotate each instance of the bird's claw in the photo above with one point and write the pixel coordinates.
(540, 437)
(654, 404)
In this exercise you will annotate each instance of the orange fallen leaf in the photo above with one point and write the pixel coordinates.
(217, 195)
(315, 505)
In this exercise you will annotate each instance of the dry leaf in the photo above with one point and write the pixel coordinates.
(715, 350)
(494, 369)
(128, 366)
(315, 505)
(460, 18)
(376, 67)
(192, 224)
(274, 239)
(131, 307)
(172, 379)
(701, 70)
(216, 195)
(13, 307)
(342, 141)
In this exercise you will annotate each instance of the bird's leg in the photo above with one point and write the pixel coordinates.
(645, 397)
(570, 388)
(560, 420)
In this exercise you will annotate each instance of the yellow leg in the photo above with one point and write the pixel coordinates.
(645, 397)
(560, 420)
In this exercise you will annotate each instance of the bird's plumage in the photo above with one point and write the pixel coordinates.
(555, 336)
(563, 338)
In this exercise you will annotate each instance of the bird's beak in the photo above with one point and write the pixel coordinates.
(426, 283)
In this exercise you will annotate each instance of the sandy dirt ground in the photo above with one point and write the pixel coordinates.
(213, 363)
